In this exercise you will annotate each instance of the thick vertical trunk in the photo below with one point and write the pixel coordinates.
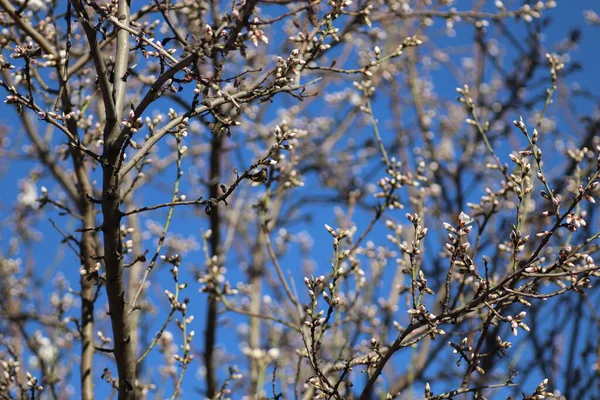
(215, 239)
(115, 284)
(134, 276)
(111, 203)
(87, 251)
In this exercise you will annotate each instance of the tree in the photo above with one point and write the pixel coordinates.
(180, 159)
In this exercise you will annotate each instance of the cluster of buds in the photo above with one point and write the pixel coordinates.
(283, 133)
(555, 199)
(563, 256)
(534, 268)
(314, 285)
(464, 350)
(524, 185)
(536, 152)
(491, 198)
(332, 302)
(185, 359)
(579, 282)
(338, 235)
(411, 41)
(124, 233)
(13, 98)
(92, 272)
(455, 245)
(282, 136)
(301, 38)
(518, 240)
(26, 51)
(10, 370)
(151, 123)
(419, 235)
(142, 41)
(541, 392)
(317, 43)
(320, 387)
(395, 180)
(316, 319)
(528, 12)
(587, 260)
(521, 182)
(396, 228)
(265, 357)
(395, 238)
(556, 65)
(172, 114)
(463, 347)
(132, 123)
(338, 7)
(146, 25)
(421, 312)
(366, 87)
(329, 30)
(465, 97)
(416, 220)
(190, 336)
(578, 155)
(255, 35)
(517, 322)
(286, 139)
(181, 128)
(575, 221)
(421, 283)
(32, 382)
(175, 303)
(234, 375)
(56, 116)
(174, 259)
(5, 65)
(293, 65)
(451, 20)
(502, 345)
(108, 8)
(365, 13)
(215, 276)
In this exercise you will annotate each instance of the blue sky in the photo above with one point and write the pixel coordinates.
(191, 223)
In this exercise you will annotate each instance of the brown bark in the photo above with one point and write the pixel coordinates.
(215, 239)
(115, 284)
